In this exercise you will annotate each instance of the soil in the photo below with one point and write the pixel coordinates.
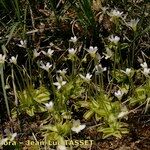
(137, 139)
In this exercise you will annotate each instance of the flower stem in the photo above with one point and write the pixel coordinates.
(4, 92)
(114, 70)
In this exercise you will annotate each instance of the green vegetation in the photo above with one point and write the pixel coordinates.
(67, 66)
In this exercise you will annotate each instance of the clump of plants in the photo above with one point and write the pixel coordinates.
(98, 75)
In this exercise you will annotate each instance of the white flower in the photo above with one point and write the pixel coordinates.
(146, 71)
(60, 82)
(49, 52)
(46, 67)
(13, 60)
(77, 127)
(35, 53)
(62, 72)
(133, 24)
(144, 65)
(115, 13)
(128, 71)
(99, 69)
(72, 51)
(3, 141)
(2, 59)
(87, 78)
(23, 43)
(92, 50)
(124, 112)
(49, 105)
(73, 39)
(13, 136)
(119, 94)
(61, 147)
(114, 39)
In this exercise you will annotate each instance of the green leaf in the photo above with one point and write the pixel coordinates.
(120, 76)
(141, 93)
(97, 117)
(41, 95)
(88, 114)
(124, 46)
(50, 128)
(30, 111)
(12, 31)
(52, 136)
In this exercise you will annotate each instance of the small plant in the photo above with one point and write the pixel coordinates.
(103, 109)
(32, 100)
(73, 69)
(57, 132)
